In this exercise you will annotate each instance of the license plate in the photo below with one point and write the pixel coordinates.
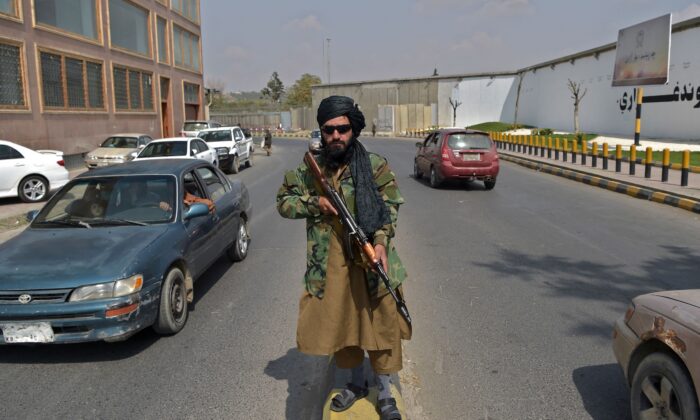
(471, 156)
(39, 332)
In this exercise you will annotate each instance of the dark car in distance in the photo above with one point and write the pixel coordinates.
(117, 250)
(457, 154)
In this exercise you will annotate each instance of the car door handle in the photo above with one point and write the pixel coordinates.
(19, 164)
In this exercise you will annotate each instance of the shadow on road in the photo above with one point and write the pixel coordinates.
(603, 391)
(452, 184)
(579, 278)
(308, 382)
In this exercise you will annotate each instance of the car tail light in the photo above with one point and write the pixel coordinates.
(61, 162)
(446, 153)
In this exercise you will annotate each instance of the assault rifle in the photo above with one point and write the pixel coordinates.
(355, 232)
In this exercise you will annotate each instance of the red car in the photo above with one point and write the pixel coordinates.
(458, 154)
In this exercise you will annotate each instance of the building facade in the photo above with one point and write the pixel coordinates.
(73, 72)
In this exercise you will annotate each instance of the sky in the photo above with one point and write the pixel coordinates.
(245, 41)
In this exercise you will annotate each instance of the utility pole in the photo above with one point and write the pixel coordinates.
(328, 59)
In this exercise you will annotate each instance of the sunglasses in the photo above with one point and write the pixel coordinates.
(342, 129)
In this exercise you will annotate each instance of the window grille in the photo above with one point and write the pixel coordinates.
(94, 82)
(121, 96)
(133, 90)
(191, 93)
(52, 79)
(11, 88)
(75, 79)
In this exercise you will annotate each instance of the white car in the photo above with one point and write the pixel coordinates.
(232, 146)
(28, 174)
(179, 147)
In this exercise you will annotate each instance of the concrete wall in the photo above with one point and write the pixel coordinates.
(546, 102)
(490, 98)
(544, 99)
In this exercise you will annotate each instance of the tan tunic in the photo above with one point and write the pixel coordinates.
(347, 316)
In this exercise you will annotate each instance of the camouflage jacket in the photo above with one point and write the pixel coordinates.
(298, 198)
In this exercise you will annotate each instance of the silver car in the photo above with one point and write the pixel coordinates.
(118, 148)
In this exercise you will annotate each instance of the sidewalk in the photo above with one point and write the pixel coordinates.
(637, 185)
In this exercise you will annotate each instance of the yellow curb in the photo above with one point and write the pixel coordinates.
(659, 197)
(363, 409)
(632, 191)
(686, 204)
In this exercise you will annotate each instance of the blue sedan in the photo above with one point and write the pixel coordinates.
(118, 249)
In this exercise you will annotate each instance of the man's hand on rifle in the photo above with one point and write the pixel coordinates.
(380, 252)
(326, 207)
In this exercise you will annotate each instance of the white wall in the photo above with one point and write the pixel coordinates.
(545, 100)
(483, 99)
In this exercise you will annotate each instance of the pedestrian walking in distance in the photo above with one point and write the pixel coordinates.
(345, 310)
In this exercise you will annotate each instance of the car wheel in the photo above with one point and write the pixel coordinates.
(235, 165)
(172, 312)
(416, 171)
(434, 181)
(32, 189)
(489, 184)
(249, 162)
(661, 389)
(239, 249)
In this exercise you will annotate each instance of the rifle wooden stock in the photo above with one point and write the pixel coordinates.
(355, 231)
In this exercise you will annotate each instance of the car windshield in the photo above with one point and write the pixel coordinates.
(218, 135)
(111, 201)
(195, 126)
(166, 148)
(121, 143)
(463, 141)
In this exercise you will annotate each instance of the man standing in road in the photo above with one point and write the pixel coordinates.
(345, 310)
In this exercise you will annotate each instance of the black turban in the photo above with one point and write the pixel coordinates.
(336, 106)
(372, 212)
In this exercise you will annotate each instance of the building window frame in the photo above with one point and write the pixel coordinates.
(60, 31)
(64, 82)
(199, 84)
(23, 73)
(18, 9)
(197, 19)
(165, 3)
(199, 48)
(168, 40)
(149, 25)
(129, 110)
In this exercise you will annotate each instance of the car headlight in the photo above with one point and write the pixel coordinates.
(222, 151)
(108, 290)
(90, 157)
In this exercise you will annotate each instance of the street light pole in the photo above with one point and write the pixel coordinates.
(328, 59)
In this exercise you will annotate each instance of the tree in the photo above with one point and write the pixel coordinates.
(274, 89)
(455, 104)
(300, 93)
(577, 96)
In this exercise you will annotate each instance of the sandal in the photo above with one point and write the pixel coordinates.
(348, 396)
(388, 410)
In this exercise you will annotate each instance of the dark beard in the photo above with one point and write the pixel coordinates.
(335, 158)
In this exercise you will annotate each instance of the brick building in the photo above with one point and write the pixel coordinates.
(72, 72)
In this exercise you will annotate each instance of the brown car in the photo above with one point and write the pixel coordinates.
(657, 344)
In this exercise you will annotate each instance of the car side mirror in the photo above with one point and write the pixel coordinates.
(419, 144)
(196, 210)
(32, 215)
(141, 146)
(194, 152)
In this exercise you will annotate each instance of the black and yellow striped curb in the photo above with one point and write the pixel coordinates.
(644, 193)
